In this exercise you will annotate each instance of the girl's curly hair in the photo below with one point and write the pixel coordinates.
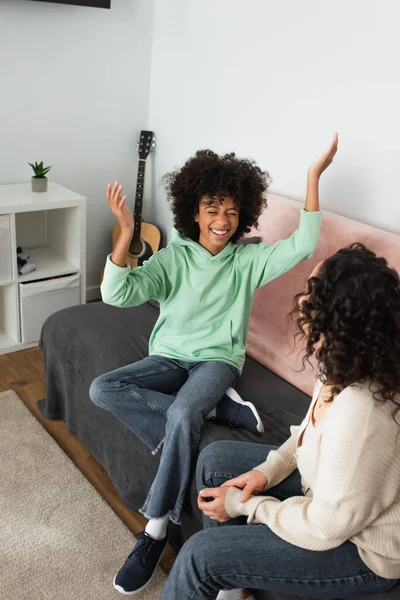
(207, 174)
(351, 309)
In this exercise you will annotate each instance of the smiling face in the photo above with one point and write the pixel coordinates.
(218, 219)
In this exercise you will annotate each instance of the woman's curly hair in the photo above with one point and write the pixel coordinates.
(351, 310)
(207, 174)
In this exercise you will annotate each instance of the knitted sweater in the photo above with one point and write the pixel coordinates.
(354, 483)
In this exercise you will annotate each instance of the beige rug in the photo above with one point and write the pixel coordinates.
(59, 540)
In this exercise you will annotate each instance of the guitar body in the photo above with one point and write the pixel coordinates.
(150, 238)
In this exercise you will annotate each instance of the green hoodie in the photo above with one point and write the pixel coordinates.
(206, 300)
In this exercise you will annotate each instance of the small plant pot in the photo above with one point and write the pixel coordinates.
(39, 184)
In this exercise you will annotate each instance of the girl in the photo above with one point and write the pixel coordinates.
(205, 285)
(323, 510)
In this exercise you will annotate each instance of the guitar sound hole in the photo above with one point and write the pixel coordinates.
(136, 248)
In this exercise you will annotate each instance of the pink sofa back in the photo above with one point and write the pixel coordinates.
(271, 335)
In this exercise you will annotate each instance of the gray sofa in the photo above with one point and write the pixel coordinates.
(82, 342)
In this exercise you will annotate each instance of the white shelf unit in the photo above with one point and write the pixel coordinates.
(52, 225)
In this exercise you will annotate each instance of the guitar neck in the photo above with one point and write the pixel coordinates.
(139, 198)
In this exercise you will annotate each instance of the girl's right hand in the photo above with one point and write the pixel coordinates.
(252, 483)
(118, 206)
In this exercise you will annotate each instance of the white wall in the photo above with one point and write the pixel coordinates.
(273, 80)
(75, 93)
(268, 79)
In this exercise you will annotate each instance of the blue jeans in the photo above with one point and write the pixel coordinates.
(234, 555)
(164, 402)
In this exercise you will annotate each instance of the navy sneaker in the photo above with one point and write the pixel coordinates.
(234, 411)
(138, 570)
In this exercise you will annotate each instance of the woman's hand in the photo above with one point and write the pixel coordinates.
(214, 509)
(118, 206)
(323, 163)
(252, 483)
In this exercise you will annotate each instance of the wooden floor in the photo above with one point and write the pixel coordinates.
(23, 372)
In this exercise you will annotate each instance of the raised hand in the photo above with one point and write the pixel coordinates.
(252, 483)
(118, 206)
(323, 163)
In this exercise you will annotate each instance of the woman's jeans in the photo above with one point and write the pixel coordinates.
(164, 402)
(233, 555)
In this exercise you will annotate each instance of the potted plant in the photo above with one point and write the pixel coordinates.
(39, 179)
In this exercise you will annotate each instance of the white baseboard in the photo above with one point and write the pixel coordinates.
(18, 347)
(93, 294)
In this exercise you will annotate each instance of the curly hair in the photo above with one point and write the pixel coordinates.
(350, 317)
(207, 174)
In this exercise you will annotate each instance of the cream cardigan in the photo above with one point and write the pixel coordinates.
(354, 483)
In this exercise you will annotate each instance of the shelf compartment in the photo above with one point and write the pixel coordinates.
(48, 264)
(51, 235)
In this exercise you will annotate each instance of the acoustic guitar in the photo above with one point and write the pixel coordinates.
(146, 237)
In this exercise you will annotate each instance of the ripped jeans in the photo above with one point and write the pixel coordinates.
(164, 402)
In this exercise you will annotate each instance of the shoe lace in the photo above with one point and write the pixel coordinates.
(144, 546)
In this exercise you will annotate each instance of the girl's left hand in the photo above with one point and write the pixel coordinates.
(323, 163)
(214, 509)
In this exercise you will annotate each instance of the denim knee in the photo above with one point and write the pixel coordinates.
(98, 392)
(208, 461)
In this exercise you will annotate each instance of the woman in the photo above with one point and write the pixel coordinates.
(329, 524)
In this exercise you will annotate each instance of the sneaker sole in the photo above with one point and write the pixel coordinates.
(233, 395)
(121, 589)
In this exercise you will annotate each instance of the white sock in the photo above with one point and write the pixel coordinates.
(235, 594)
(157, 528)
(211, 414)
